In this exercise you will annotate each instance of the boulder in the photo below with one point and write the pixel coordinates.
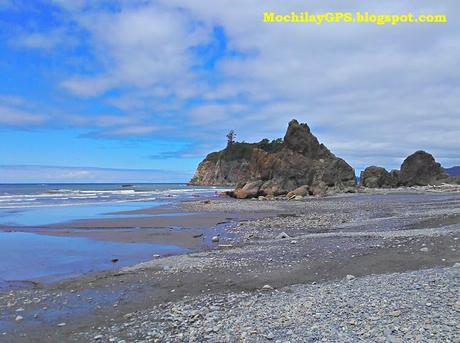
(377, 177)
(252, 188)
(421, 169)
(299, 191)
(238, 193)
(318, 189)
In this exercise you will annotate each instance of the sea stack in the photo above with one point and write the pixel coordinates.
(277, 167)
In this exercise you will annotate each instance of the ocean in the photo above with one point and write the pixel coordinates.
(40, 204)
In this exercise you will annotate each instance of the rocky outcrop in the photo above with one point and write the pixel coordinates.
(418, 169)
(421, 169)
(378, 177)
(278, 167)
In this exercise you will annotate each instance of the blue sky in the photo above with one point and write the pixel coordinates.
(94, 91)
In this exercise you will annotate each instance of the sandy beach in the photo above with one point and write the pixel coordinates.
(281, 271)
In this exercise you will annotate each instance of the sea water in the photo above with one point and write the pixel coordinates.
(31, 256)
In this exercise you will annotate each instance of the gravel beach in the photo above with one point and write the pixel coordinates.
(357, 267)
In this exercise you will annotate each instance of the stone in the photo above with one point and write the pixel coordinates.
(421, 169)
(61, 324)
(424, 249)
(299, 191)
(267, 288)
(377, 177)
(239, 194)
(215, 239)
(318, 189)
(282, 235)
(350, 277)
(396, 313)
(252, 188)
(19, 318)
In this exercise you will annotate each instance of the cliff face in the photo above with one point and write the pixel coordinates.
(279, 166)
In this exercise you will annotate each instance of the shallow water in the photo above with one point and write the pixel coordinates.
(37, 216)
(44, 258)
(32, 205)
(29, 256)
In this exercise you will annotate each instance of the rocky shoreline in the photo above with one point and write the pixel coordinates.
(333, 247)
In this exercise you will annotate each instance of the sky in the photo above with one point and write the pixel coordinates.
(141, 91)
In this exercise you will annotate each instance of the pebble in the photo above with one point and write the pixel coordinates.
(282, 235)
(215, 239)
(396, 313)
(19, 318)
(350, 277)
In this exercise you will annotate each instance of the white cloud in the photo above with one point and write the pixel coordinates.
(33, 174)
(38, 40)
(140, 130)
(10, 116)
(372, 94)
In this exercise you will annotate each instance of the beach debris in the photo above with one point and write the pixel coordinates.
(62, 324)
(215, 239)
(283, 235)
(114, 260)
(267, 288)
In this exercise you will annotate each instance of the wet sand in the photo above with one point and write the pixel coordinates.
(168, 224)
(328, 239)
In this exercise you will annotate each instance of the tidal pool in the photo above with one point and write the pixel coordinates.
(28, 256)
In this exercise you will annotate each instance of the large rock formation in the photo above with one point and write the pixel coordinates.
(420, 169)
(378, 177)
(278, 167)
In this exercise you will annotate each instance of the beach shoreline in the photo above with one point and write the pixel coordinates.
(328, 239)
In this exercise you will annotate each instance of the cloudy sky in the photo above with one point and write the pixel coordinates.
(141, 90)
